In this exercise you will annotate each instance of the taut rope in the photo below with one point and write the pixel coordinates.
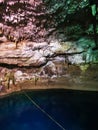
(43, 111)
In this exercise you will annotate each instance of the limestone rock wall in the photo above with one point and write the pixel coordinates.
(47, 33)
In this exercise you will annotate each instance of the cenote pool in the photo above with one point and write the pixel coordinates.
(73, 110)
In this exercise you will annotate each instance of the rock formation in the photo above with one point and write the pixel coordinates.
(37, 33)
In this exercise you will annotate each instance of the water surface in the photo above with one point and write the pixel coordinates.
(73, 110)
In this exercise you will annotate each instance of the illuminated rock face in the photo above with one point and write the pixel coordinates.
(35, 32)
(46, 39)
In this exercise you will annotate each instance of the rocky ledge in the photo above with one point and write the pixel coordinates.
(74, 79)
(32, 54)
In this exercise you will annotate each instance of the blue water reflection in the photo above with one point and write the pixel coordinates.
(74, 110)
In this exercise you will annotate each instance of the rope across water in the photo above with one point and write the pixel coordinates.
(43, 111)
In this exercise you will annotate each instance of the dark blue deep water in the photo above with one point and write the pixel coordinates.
(74, 110)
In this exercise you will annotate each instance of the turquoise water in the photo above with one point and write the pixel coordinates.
(74, 110)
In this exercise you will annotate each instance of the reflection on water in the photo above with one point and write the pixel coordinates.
(74, 110)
